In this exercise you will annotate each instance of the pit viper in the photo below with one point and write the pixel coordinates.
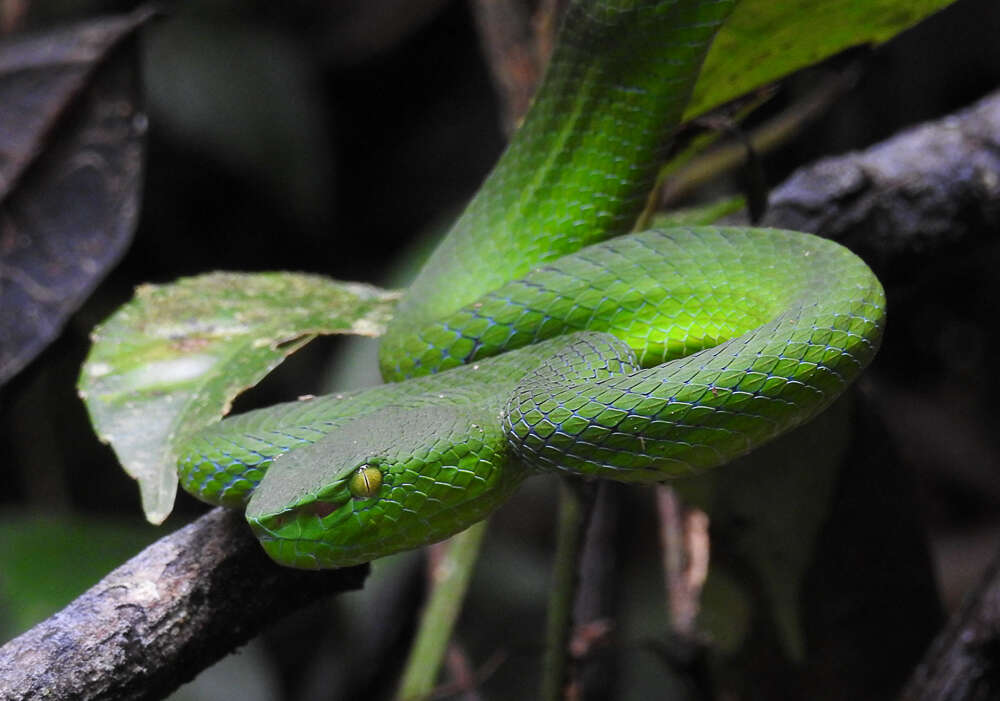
(545, 335)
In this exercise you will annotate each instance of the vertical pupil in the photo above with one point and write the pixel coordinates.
(365, 482)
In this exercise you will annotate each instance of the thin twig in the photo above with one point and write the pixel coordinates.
(576, 500)
(450, 576)
(598, 598)
(724, 157)
(468, 685)
(685, 543)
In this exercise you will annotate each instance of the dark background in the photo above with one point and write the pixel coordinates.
(337, 138)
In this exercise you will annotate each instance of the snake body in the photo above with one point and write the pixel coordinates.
(531, 344)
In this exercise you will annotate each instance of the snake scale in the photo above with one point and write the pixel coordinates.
(542, 336)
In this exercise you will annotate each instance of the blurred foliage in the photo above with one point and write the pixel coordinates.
(49, 560)
(249, 97)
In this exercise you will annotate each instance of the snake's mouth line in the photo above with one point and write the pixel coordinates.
(319, 508)
(344, 554)
(314, 551)
(269, 537)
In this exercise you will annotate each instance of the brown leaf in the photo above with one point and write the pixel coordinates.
(71, 154)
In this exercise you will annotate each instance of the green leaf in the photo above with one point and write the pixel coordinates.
(764, 40)
(171, 360)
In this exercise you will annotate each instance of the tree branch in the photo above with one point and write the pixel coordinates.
(155, 622)
(963, 663)
(919, 193)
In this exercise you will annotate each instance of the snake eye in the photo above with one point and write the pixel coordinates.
(364, 483)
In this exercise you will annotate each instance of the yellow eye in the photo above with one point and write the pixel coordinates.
(365, 482)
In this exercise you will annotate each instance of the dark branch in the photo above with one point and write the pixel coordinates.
(963, 664)
(155, 622)
(919, 193)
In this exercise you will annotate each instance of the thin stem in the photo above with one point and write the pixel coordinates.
(685, 542)
(509, 44)
(450, 577)
(695, 149)
(576, 500)
(712, 163)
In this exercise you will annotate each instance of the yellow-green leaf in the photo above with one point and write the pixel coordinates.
(171, 360)
(764, 40)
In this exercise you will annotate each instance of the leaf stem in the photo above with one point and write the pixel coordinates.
(576, 500)
(450, 577)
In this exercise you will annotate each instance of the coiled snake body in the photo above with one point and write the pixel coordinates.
(533, 344)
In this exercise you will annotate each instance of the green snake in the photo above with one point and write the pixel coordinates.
(543, 337)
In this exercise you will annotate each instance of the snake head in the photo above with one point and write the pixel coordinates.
(391, 481)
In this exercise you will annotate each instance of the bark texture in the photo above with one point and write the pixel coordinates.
(964, 662)
(919, 193)
(155, 622)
